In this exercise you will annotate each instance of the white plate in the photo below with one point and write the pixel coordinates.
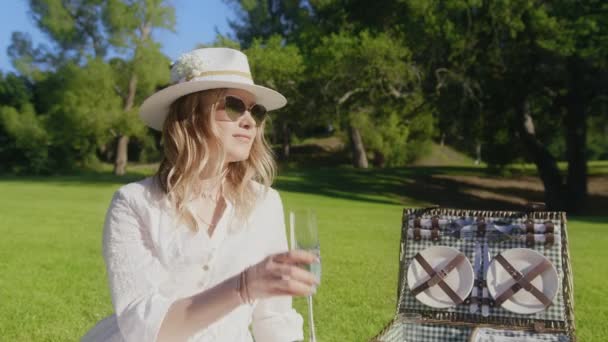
(460, 279)
(523, 260)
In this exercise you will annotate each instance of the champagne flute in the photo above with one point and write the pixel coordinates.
(304, 236)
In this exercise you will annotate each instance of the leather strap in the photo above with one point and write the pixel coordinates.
(529, 226)
(487, 301)
(549, 239)
(530, 239)
(417, 235)
(549, 227)
(435, 228)
(523, 281)
(435, 234)
(436, 277)
(435, 222)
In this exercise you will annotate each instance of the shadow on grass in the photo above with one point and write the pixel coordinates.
(84, 177)
(419, 186)
(412, 186)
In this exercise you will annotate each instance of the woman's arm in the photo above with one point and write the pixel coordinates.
(188, 315)
(277, 275)
(274, 319)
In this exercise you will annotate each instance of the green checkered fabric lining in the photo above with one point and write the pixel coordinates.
(400, 332)
(487, 335)
(405, 332)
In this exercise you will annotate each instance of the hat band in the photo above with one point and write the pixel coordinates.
(216, 73)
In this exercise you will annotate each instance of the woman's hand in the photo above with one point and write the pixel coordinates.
(279, 274)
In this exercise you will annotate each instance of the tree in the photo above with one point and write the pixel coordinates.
(264, 18)
(359, 75)
(80, 107)
(130, 24)
(81, 29)
(527, 68)
(280, 66)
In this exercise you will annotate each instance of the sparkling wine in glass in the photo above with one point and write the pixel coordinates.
(305, 236)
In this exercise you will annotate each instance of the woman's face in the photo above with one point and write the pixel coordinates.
(237, 136)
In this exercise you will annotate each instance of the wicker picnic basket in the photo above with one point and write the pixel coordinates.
(457, 323)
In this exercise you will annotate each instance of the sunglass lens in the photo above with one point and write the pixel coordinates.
(234, 107)
(258, 112)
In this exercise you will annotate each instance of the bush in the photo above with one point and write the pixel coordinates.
(393, 141)
(23, 141)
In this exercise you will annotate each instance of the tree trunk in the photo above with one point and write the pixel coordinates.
(358, 149)
(545, 163)
(122, 156)
(285, 140)
(576, 139)
(477, 153)
(120, 165)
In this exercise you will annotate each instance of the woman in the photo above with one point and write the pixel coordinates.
(198, 252)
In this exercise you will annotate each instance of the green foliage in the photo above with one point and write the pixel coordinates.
(275, 64)
(278, 65)
(392, 140)
(369, 82)
(263, 19)
(85, 107)
(15, 90)
(24, 57)
(73, 25)
(25, 145)
(221, 41)
(83, 100)
(129, 21)
(385, 138)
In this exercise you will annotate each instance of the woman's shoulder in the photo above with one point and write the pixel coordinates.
(265, 193)
(146, 189)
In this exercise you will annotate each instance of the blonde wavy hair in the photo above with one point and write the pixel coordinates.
(193, 151)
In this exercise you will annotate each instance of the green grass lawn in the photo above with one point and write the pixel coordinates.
(52, 278)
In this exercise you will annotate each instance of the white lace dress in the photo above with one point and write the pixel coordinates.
(151, 263)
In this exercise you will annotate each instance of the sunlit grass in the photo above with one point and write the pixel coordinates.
(53, 285)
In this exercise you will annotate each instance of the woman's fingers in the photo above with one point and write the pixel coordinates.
(296, 256)
(287, 271)
(293, 287)
(279, 274)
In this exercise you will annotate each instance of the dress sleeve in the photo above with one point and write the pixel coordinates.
(134, 273)
(274, 319)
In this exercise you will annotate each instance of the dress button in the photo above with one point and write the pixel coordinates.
(206, 267)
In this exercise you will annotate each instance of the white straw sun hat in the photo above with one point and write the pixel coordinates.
(204, 69)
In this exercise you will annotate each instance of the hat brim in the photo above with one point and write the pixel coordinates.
(155, 108)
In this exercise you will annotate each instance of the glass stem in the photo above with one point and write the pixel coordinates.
(311, 321)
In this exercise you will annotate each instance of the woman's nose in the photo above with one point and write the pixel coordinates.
(246, 121)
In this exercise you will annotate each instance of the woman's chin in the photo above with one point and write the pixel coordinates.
(238, 157)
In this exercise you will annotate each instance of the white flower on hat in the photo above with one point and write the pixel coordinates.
(187, 67)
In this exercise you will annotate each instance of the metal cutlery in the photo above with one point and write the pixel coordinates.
(475, 293)
(485, 298)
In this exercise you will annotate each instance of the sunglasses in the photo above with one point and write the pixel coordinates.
(235, 107)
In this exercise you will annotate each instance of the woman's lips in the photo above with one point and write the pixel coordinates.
(242, 137)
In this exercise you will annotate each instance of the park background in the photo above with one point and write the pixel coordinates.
(392, 103)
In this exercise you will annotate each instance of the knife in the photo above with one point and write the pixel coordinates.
(485, 308)
(474, 306)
